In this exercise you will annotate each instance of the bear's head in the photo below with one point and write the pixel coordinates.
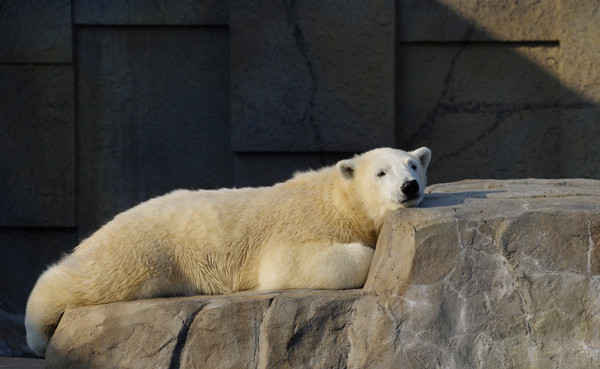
(387, 179)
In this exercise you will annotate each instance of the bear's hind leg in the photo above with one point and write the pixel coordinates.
(340, 266)
(314, 266)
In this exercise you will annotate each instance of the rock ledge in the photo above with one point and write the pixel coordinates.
(485, 274)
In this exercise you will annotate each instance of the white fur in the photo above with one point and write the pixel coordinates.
(339, 266)
(317, 230)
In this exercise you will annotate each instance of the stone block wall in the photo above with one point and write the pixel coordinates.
(106, 104)
(500, 89)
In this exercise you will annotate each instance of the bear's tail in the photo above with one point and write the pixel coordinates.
(46, 304)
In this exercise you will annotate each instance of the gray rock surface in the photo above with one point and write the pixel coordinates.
(485, 274)
(494, 274)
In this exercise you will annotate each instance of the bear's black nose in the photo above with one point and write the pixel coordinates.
(410, 188)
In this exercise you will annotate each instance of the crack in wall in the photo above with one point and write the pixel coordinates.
(426, 128)
(293, 22)
(501, 112)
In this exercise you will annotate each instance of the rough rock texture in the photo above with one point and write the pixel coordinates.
(493, 274)
(485, 274)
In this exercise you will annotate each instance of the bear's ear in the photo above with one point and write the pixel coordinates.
(424, 156)
(346, 168)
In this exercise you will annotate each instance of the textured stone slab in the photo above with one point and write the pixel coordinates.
(312, 75)
(142, 12)
(488, 211)
(225, 332)
(457, 99)
(37, 115)
(458, 20)
(485, 274)
(35, 31)
(503, 274)
(153, 115)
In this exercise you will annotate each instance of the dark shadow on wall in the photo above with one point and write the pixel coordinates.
(489, 108)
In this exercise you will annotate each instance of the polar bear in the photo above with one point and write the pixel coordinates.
(317, 230)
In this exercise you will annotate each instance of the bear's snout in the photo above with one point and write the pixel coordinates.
(410, 188)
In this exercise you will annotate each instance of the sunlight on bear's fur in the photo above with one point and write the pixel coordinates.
(317, 230)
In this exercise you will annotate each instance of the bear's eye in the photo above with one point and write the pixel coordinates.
(413, 166)
(381, 173)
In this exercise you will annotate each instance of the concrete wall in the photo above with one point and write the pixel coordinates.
(106, 104)
(500, 89)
